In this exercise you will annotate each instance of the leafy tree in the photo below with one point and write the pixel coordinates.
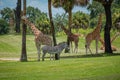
(58, 20)
(43, 23)
(107, 6)
(6, 13)
(40, 19)
(4, 26)
(95, 8)
(80, 20)
(33, 13)
(116, 13)
(68, 5)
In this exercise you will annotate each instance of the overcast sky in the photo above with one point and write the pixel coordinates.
(41, 4)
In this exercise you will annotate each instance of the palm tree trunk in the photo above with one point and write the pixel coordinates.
(17, 16)
(107, 28)
(69, 25)
(24, 53)
(52, 27)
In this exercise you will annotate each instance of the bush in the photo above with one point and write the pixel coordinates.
(4, 27)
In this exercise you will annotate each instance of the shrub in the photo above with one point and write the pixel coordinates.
(4, 27)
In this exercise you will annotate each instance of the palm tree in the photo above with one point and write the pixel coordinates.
(52, 26)
(17, 16)
(68, 5)
(107, 6)
(24, 53)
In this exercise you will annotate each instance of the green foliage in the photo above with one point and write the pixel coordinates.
(116, 14)
(6, 13)
(95, 9)
(80, 20)
(39, 18)
(60, 20)
(33, 13)
(4, 27)
(42, 23)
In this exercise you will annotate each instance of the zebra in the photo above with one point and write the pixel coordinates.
(52, 50)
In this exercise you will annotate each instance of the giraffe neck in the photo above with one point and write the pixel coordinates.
(32, 26)
(97, 29)
(65, 30)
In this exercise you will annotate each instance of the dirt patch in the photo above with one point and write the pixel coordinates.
(9, 59)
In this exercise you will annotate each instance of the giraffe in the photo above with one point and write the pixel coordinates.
(94, 35)
(72, 38)
(40, 38)
(103, 43)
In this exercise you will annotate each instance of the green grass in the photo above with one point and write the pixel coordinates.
(93, 68)
(70, 67)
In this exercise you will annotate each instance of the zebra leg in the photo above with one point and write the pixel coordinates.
(50, 56)
(43, 56)
(53, 56)
(58, 55)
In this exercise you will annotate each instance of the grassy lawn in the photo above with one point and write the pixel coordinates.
(94, 68)
(70, 67)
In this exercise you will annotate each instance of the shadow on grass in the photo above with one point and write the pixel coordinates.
(92, 55)
(81, 56)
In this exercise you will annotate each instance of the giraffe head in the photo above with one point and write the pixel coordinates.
(24, 18)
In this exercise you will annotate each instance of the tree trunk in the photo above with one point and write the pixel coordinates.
(107, 28)
(69, 25)
(18, 16)
(24, 53)
(52, 27)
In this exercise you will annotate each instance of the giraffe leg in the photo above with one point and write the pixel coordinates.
(71, 47)
(90, 50)
(76, 48)
(87, 46)
(38, 50)
(96, 46)
(39, 54)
